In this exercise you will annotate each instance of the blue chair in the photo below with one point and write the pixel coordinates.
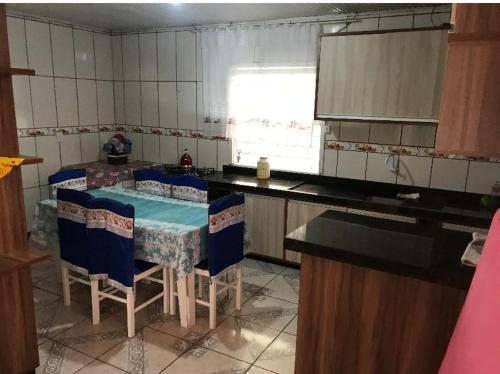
(74, 179)
(72, 207)
(110, 231)
(153, 182)
(188, 187)
(226, 232)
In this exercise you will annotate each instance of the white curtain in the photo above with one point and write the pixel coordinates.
(260, 80)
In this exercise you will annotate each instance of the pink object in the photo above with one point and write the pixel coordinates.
(475, 344)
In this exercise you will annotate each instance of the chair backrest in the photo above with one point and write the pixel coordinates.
(110, 231)
(226, 232)
(74, 179)
(72, 209)
(188, 187)
(153, 182)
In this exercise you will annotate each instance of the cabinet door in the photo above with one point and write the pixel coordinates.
(298, 214)
(381, 76)
(265, 220)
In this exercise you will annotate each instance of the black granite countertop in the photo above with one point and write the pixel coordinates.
(420, 251)
(433, 204)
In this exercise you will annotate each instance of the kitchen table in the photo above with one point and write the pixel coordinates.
(167, 231)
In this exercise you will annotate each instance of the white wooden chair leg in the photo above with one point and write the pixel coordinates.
(166, 294)
(96, 312)
(65, 285)
(238, 288)
(130, 313)
(134, 287)
(200, 286)
(171, 291)
(212, 309)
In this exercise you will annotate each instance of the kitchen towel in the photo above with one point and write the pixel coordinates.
(474, 345)
(474, 249)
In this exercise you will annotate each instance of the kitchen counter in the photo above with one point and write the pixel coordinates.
(437, 205)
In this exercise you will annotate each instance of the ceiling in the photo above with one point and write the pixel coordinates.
(129, 16)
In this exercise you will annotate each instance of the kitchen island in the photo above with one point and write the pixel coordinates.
(376, 296)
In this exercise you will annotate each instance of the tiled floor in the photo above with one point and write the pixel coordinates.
(259, 339)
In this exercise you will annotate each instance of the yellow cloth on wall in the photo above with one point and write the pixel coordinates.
(7, 163)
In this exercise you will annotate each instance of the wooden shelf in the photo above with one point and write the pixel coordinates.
(29, 160)
(16, 71)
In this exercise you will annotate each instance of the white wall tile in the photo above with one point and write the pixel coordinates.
(151, 147)
(330, 162)
(166, 56)
(199, 62)
(354, 131)
(103, 56)
(418, 135)
(148, 58)
(224, 153)
(91, 150)
(385, 133)
(29, 172)
(482, 176)
(44, 192)
(186, 96)
(66, 101)
(397, 22)
(332, 132)
(191, 145)
(136, 139)
(22, 101)
(376, 169)
(186, 56)
(449, 174)
(71, 150)
(17, 42)
(132, 103)
(31, 198)
(168, 150)
(105, 103)
(84, 54)
(87, 102)
(168, 104)
(39, 52)
(199, 106)
(116, 42)
(130, 51)
(47, 147)
(149, 103)
(43, 101)
(62, 51)
(351, 164)
(119, 103)
(207, 153)
(414, 171)
(364, 24)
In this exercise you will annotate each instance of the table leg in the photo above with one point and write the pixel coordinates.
(186, 297)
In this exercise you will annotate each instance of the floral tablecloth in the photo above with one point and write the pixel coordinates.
(167, 231)
(102, 174)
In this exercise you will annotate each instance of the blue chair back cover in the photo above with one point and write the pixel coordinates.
(226, 232)
(75, 179)
(72, 208)
(188, 187)
(110, 227)
(153, 181)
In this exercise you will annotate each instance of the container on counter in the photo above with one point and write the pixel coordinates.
(263, 169)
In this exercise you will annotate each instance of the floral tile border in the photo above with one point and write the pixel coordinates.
(198, 134)
(399, 150)
(68, 130)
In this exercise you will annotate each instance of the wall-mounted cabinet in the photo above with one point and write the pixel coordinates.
(385, 75)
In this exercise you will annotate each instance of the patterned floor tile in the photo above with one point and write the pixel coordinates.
(99, 367)
(201, 360)
(291, 327)
(280, 356)
(42, 270)
(256, 277)
(57, 358)
(263, 266)
(150, 351)
(285, 286)
(94, 340)
(239, 338)
(79, 292)
(268, 311)
(256, 370)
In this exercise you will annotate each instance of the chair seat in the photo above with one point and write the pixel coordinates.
(141, 266)
(202, 265)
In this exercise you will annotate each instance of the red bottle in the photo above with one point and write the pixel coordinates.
(186, 160)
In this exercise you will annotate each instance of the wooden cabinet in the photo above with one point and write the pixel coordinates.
(470, 115)
(265, 221)
(386, 75)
